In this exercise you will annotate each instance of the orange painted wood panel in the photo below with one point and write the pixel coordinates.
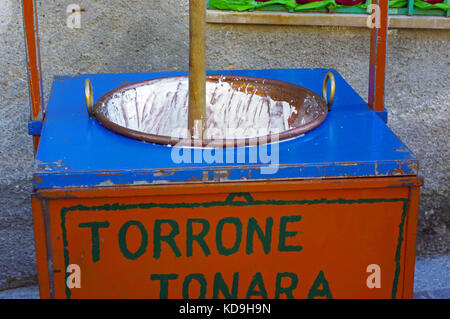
(40, 242)
(410, 238)
(264, 242)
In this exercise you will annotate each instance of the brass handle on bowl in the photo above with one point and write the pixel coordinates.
(329, 76)
(89, 94)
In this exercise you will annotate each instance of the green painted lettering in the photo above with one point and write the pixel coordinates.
(123, 240)
(187, 282)
(199, 238)
(169, 239)
(95, 226)
(219, 235)
(285, 290)
(324, 291)
(257, 281)
(284, 234)
(221, 286)
(266, 239)
(163, 283)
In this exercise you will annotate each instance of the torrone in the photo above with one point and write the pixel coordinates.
(161, 108)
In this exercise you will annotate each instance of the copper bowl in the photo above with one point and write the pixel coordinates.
(149, 110)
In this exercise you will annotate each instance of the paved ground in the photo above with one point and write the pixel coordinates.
(432, 278)
(432, 281)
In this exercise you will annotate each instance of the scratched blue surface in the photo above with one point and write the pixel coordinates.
(77, 151)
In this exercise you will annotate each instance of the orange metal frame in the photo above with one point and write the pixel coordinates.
(377, 69)
(30, 21)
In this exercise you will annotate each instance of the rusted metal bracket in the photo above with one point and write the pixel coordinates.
(35, 128)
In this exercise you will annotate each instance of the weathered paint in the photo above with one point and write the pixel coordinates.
(334, 228)
(410, 238)
(77, 151)
(42, 251)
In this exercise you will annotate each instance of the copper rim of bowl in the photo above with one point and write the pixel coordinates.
(167, 140)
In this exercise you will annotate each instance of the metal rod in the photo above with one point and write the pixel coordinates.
(197, 68)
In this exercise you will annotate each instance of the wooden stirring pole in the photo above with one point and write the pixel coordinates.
(197, 68)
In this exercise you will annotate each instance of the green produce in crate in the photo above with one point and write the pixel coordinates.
(235, 5)
(431, 5)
